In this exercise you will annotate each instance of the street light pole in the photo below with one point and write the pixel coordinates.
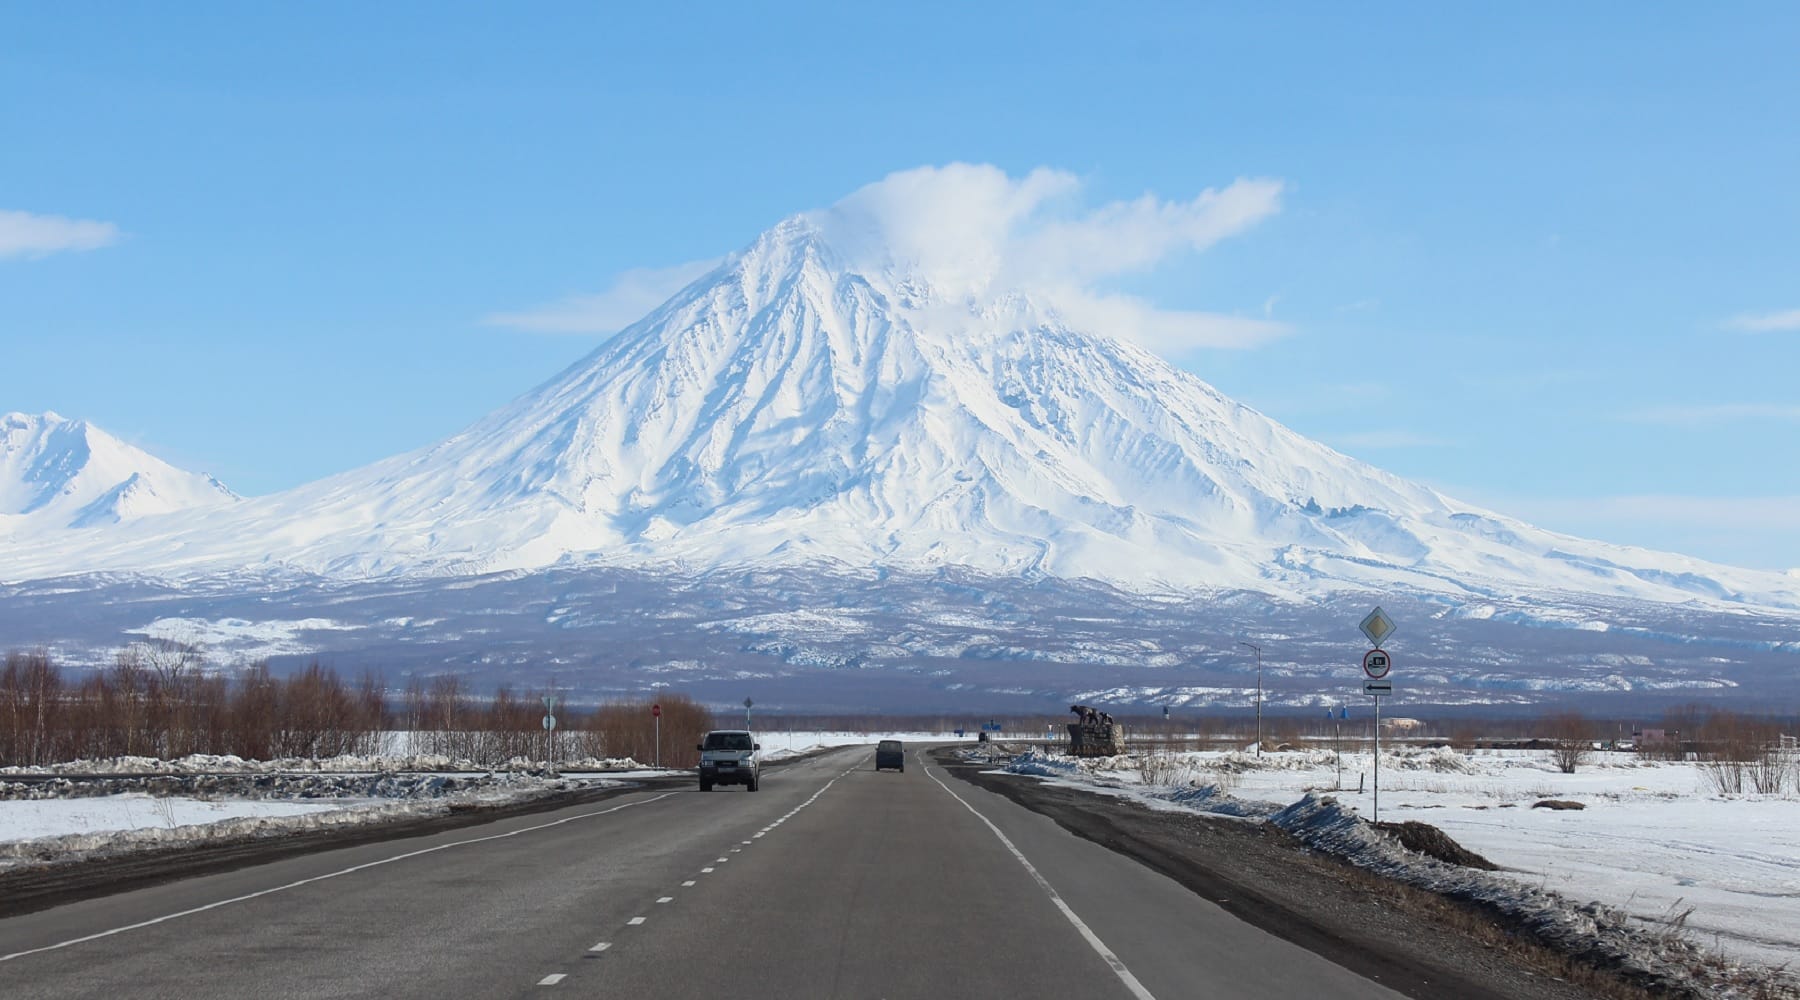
(1258, 649)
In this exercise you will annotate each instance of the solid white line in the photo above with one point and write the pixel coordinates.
(1131, 983)
(553, 979)
(320, 878)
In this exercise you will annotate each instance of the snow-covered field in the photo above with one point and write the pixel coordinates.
(1652, 839)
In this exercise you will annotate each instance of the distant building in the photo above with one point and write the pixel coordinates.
(1402, 725)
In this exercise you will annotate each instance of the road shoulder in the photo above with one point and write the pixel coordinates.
(1416, 942)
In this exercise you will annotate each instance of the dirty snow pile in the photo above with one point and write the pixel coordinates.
(205, 763)
(60, 820)
(1685, 884)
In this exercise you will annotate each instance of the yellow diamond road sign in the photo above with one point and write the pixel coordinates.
(1378, 626)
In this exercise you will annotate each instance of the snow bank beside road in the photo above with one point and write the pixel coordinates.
(1667, 863)
(63, 821)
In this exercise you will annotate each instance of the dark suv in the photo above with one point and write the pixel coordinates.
(889, 753)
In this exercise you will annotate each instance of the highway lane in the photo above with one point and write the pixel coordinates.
(832, 881)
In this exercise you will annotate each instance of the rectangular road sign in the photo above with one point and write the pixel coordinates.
(1378, 688)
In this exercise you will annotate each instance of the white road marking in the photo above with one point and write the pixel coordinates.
(602, 946)
(721, 861)
(553, 979)
(686, 884)
(320, 878)
(1131, 983)
(665, 899)
(634, 921)
(706, 871)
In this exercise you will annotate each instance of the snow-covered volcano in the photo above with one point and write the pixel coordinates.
(58, 473)
(806, 402)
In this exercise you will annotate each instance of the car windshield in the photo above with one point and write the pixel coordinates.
(727, 741)
(889, 746)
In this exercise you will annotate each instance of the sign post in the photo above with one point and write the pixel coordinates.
(656, 714)
(747, 704)
(549, 701)
(1376, 664)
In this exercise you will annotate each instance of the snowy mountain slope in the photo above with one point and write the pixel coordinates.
(59, 473)
(800, 406)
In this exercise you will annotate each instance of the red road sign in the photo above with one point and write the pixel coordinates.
(656, 711)
(1377, 663)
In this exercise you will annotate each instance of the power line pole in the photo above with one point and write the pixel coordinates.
(1259, 740)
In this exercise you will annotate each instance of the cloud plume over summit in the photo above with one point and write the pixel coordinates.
(975, 230)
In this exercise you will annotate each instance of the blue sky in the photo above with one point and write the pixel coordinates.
(1545, 259)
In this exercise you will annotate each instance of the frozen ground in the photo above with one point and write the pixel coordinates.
(1652, 840)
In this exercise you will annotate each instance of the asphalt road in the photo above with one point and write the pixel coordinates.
(832, 881)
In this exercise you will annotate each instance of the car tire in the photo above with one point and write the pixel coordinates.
(754, 782)
(706, 786)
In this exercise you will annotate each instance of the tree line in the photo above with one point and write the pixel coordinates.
(160, 700)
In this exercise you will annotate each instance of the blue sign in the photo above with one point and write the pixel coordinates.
(992, 727)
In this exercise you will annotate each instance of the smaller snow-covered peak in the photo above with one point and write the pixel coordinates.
(62, 473)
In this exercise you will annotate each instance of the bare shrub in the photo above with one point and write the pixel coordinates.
(626, 729)
(1571, 739)
(1742, 754)
(1160, 768)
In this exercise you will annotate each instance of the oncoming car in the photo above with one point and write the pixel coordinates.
(889, 753)
(728, 757)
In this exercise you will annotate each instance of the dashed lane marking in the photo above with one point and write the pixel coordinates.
(320, 878)
(665, 899)
(553, 978)
(602, 946)
(687, 884)
(634, 921)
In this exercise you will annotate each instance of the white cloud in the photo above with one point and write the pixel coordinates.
(1161, 329)
(1720, 413)
(23, 234)
(1775, 322)
(632, 295)
(973, 230)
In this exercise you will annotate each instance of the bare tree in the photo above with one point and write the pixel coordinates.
(30, 697)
